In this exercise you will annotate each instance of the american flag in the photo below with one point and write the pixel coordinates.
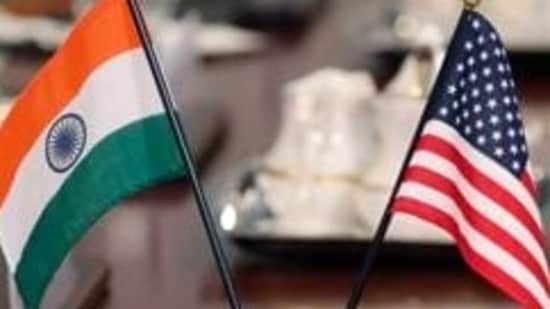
(469, 172)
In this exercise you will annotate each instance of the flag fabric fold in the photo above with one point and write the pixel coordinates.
(88, 131)
(470, 172)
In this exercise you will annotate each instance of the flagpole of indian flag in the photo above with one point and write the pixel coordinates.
(185, 151)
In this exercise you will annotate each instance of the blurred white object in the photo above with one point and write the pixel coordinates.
(211, 40)
(177, 43)
(326, 141)
(400, 105)
(4, 109)
(208, 40)
(327, 126)
(523, 24)
(399, 109)
(216, 40)
(47, 33)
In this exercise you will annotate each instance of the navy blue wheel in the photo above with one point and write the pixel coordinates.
(65, 142)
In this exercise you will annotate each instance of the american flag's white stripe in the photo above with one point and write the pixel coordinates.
(472, 204)
(491, 169)
(479, 201)
(477, 241)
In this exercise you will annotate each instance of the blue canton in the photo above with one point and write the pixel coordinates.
(477, 95)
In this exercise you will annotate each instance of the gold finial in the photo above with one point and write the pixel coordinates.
(471, 4)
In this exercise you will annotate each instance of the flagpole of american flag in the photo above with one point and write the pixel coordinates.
(184, 148)
(387, 217)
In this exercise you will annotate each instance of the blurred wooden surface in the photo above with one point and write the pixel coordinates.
(154, 244)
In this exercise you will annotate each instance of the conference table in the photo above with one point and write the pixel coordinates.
(152, 248)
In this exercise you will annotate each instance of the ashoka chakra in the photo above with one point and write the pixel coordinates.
(65, 142)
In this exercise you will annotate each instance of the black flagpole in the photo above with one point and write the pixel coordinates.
(185, 151)
(376, 244)
(387, 217)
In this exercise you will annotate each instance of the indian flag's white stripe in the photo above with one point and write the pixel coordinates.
(119, 92)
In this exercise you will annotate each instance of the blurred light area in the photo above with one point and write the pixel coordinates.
(406, 27)
(228, 217)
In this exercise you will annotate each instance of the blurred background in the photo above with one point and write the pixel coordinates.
(300, 112)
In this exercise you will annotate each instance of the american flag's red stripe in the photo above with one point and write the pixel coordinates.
(529, 184)
(477, 220)
(481, 265)
(483, 183)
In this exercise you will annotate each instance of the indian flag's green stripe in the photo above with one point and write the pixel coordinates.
(125, 162)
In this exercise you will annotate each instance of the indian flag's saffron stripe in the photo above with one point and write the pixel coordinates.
(110, 99)
(129, 145)
(101, 77)
(104, 32)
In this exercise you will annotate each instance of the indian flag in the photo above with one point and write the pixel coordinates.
(87, 132)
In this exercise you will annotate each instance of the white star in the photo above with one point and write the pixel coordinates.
(460, 67)
(504, 84)
(451, 89)
(464, 98)
(489, 87)
(521, 132)
(511, 132)
(458, 120)
(509, 116)
(512, 83)
(484, 56)
(479, 124)
(499, 152)
(481, 39)
(497, 136)
(466, 114)
(507, 101)
(462, 83)
(515, 165)
(481, 140)
(471, 61)
(492, 103)
(467, 130)
(472, 77)
(475, 24)
(477, 108)
(514, 149)
(487, 71)
(443, 111)
(468, 45)
(494, 120)
(455, 105)
(508, 67)
(515, 99)
(475, 92)
(493, 36)
(501, 68)
(497, 52)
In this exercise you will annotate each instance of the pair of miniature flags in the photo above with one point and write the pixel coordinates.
(90, 130)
